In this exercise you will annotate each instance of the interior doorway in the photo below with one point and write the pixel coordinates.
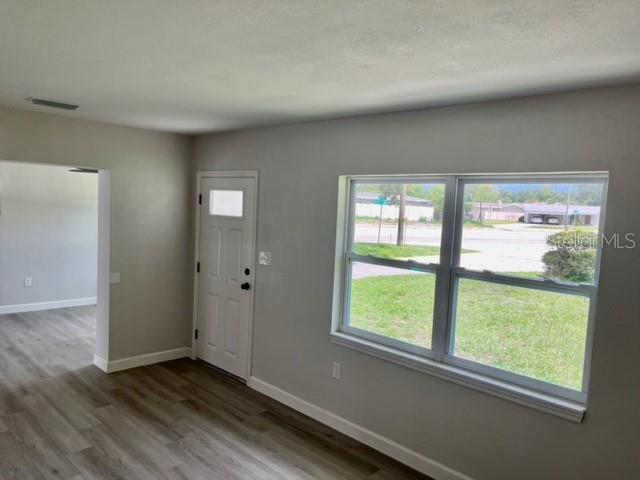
(53, 300)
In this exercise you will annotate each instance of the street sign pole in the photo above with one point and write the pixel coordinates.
(382, 201)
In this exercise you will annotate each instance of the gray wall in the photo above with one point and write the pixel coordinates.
(48, 231)
(150, 310)
(483, 436)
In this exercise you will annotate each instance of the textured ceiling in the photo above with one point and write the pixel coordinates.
(204, 65)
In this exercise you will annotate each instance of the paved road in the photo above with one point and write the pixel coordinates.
(506, 248)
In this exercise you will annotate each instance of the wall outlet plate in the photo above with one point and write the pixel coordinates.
(28, 281)
(337, 370)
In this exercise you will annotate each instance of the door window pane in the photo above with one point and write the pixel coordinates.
(532, 229)
(400, 221)
(535, 333)
(227, 203)
(393, 302)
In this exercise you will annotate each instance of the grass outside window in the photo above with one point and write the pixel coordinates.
(530, 332)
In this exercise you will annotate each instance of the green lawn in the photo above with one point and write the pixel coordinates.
(500, 222)
(476, 224)
(389, 251)
(531, 332)
(386, 250)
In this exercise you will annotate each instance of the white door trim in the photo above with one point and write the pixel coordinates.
(225, 174)
(103, 329)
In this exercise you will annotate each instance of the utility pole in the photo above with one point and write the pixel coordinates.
(380, 220)
(566, 212)
(403, 193)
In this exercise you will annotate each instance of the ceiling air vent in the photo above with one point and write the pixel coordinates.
(53, 104)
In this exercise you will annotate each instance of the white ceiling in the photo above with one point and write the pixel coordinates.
(205, 65)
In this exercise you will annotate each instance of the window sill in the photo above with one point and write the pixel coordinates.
(523, 396)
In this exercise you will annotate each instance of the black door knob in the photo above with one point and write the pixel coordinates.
(245, 286)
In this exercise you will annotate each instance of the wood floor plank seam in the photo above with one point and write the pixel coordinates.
(61, 418)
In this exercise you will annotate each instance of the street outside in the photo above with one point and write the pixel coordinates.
(512, 247)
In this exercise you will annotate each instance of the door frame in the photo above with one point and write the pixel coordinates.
(200, 175)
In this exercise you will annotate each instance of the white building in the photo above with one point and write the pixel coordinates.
(578, 214)
(511, 212)
(416, 209)
(535, 213)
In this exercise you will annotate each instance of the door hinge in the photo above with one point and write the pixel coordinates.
(195, 334)
(200, 199)
(198, 267)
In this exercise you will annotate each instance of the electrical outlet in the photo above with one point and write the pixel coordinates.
(337, 370)
(28, 281)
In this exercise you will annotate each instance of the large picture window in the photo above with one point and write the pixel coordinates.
(491, 275)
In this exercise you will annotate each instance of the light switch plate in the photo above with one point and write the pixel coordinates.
(114, 278)
(28, 281)
(264, 258)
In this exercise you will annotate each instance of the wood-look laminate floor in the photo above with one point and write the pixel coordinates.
(62, 418)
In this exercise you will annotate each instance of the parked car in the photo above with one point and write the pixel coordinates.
(536, 219)
(553, 221)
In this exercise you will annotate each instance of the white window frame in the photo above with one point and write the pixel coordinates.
(438, 360)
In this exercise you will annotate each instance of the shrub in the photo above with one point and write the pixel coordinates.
(574, 256)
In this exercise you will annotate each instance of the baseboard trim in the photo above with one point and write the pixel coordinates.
(37, 306)
(101, 363)
(140, 360)
(393, 449)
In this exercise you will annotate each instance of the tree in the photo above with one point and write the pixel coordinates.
(482, 194)
(435, 195)
(547, 195)
(587, 194)
(417, 190)
(403, 194)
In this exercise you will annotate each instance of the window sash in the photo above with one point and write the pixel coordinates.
(517, 379)
(441, 275)
(447, 274)
(390, 262)
(450, 358)
(345, 324)
(587, 290)
(549, 285)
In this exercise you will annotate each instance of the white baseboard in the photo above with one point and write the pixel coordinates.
(140, 360)
(35, 307)
(101, 363)
(393, 449)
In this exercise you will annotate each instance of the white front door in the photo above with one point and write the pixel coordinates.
(225, 280)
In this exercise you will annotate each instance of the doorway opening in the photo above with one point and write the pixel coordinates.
(53, 266)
